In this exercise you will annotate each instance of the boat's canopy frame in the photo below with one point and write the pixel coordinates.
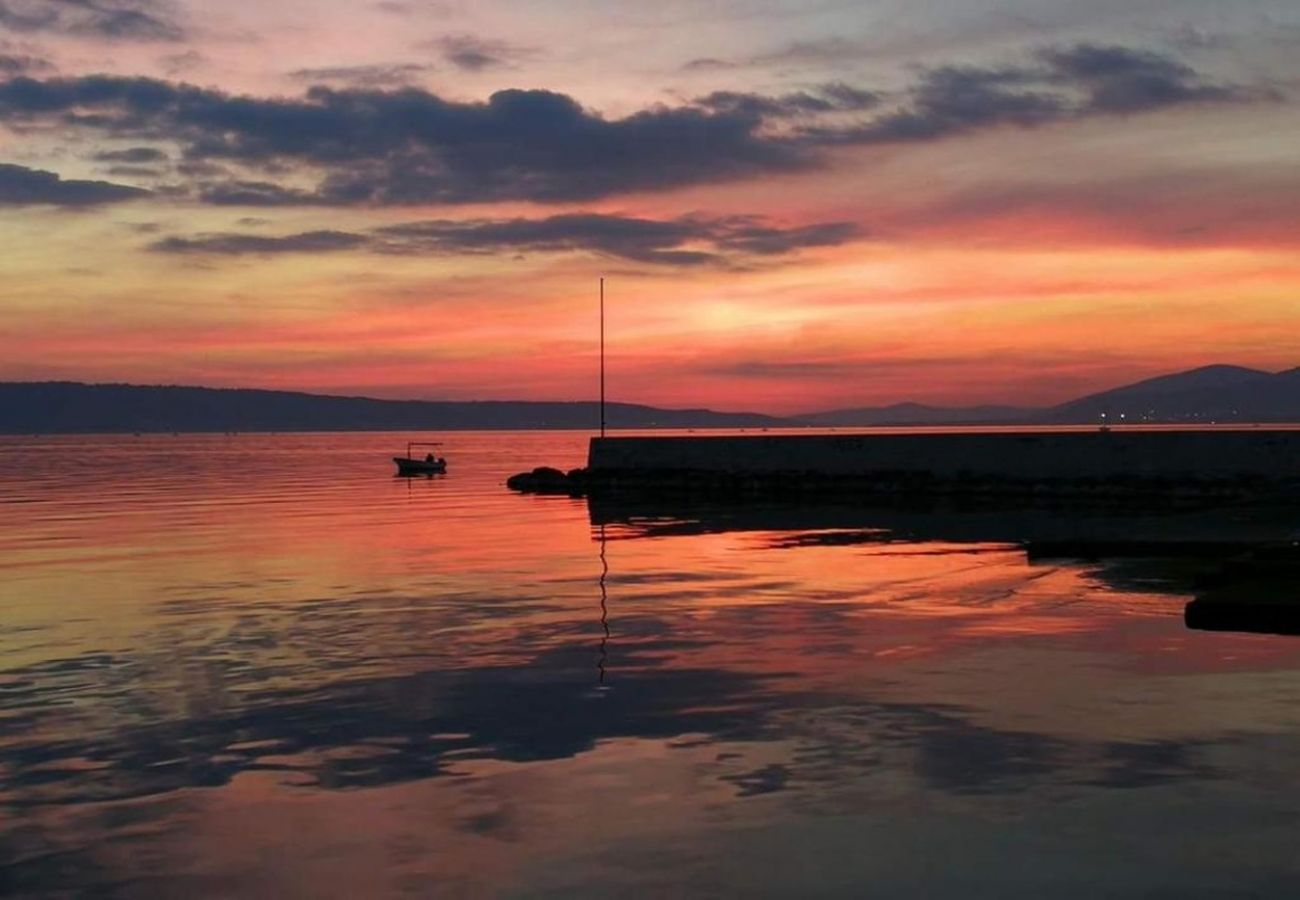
(410, 444)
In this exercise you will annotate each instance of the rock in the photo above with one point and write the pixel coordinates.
(546, 480)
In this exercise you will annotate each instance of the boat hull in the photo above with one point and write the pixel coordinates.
(419, 466)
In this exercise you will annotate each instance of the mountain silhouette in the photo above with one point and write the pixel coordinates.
(1207, 394)
(71, 407)
(1219, 393)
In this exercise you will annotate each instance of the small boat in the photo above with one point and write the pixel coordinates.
(428, 465)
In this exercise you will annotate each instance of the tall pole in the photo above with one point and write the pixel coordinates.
(602, 357)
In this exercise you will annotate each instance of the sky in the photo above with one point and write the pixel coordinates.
(795, 205)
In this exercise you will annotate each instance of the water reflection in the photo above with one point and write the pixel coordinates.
(430, 723)
(1241, 563)
(604, 608)
(375, 731)
(1050, 527)
(355, 679)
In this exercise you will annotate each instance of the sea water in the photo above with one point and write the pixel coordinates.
(261, 665)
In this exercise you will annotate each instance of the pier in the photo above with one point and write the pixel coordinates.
(1225, 464)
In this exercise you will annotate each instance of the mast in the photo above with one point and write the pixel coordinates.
(602, 357)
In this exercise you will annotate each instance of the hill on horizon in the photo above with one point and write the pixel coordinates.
(1217, 393)
(74, 407)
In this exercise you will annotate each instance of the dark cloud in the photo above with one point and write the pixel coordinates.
(411, 146)
(845, 96)
(751, 235)
(473, 53)
(134, 172)
(254, 193)
(640, 240)
(1070, 83)
(133, 20)
(23, 64)
(358, 146)
(29, 16)
(825, 99)
(20, 186)
(956, 99)
(132, 155)
(237, 244)
(685, 241)
(376, 76)
(1121, 80)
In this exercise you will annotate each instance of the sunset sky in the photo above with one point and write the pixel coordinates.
(796, 205)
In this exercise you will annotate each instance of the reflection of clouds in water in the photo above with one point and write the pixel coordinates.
(414, 673)
(369, 732)
(815, 749)
(377, 731)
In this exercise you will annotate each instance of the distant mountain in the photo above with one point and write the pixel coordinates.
(917, 414)
(1207, 394)
(71, 407)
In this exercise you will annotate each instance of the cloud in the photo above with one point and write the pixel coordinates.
(1067, 83)
(1121, 80)
(365, 146)
(374, 76)
(180, 63)
(684, 241)
(20, 186)
(707, 64)
(411, 146)
(128, 20)
(950, 100)
(132, 155)
(417, 7)
(134, 172)
(832, 97)
(254, 193)
(640, 240)
(473, 54)
(239, 244)
(751, 235)
(23, 64)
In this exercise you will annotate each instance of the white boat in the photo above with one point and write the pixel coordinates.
(427, 465)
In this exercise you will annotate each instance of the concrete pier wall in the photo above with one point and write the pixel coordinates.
(1163, 456)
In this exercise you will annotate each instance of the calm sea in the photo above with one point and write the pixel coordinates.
(263, 666)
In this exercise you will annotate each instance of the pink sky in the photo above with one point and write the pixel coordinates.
(796, 207)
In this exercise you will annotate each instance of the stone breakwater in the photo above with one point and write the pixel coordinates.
(1151, 466)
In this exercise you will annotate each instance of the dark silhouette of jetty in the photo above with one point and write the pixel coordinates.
(1160, 468)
